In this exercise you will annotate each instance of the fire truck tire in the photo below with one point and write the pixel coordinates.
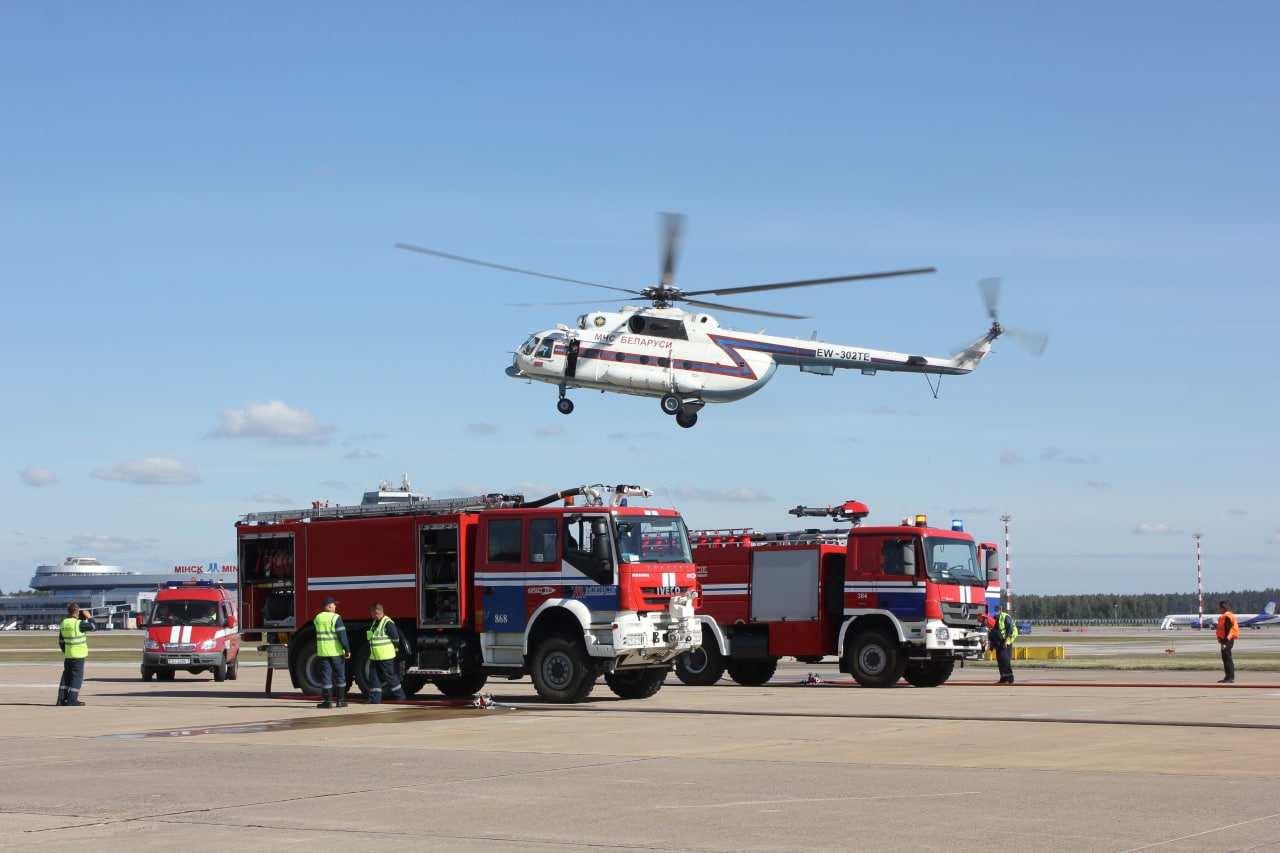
(413, 684)
(462, 686)
(359, 668)
(752, 673)
(148, 673)
(930, 673)
(561, 670)
(877, 660)
(220, 671)
(636, 683)
(306, 667)
(166, 674)
(233, 669)
(701, 667)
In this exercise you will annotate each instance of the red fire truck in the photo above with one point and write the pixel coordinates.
(888, 602)
(491, 585)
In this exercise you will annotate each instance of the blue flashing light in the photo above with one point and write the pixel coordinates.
(957, 524)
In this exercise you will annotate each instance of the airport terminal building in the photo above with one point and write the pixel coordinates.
(114, 595)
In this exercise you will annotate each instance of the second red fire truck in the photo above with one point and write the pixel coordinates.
(893, 602)
(481, 587)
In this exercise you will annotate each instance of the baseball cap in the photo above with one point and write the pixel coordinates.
(328, 600)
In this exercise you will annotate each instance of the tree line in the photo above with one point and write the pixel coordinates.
(1144, 606)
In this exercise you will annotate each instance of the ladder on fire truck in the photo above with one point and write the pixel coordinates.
(437, 506)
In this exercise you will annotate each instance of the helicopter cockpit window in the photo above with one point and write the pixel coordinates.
(527, 347)
(545, 348)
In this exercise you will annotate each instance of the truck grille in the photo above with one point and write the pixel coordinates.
(962, 615)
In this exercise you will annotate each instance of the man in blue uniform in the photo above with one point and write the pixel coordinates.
(332, 649)
(383, 641)
(75, 651)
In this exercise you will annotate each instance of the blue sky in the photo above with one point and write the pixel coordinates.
(206, 317)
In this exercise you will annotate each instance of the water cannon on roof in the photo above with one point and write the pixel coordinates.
(850, 511)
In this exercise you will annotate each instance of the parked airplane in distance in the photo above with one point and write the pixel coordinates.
(1191, 620)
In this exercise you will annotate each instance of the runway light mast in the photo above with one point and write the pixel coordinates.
(1199, 581)
(1008, 569)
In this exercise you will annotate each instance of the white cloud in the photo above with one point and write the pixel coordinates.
(481, 429)
(1011, 457)
(552, 430)
(37, 477)
(271, 498)
(153, 471)
(1275, 539)
(1151, 528)
(742, 494)
(272, 419)
(96, 543)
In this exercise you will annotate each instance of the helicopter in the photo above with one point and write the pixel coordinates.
(686, 359)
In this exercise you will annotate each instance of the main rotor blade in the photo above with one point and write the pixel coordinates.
(754, 288)
(411, 248)
(673, 231)
(700, 304)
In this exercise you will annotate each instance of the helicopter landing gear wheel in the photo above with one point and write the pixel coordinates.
(686, 419)
(670, 404)
(564, 405)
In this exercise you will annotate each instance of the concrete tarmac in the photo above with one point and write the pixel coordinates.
(1069, 760)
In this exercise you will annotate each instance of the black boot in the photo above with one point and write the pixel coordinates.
(325, 695)
(341, 694)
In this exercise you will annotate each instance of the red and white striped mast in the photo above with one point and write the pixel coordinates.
(1008, 570)
(1199, 580)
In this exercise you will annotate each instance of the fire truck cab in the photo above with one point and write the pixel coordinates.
(191, 625)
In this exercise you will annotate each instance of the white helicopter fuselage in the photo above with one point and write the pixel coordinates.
(655, 352)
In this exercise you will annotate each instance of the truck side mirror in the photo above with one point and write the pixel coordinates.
(993, 566)
(600, 549)
(908, 547)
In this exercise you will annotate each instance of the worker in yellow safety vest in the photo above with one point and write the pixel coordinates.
(1003, 632)
(383, 641)
(75, 650)
(332, 650)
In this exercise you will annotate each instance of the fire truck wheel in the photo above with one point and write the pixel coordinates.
(220, 671)
(562, 671)
(930, 673)
(877, 660)
(752, 673)
(463, 685)
(306, 667)
(148, 673)
(413, 684)
(166, 674)
(233, 669)
(636, 683)
(702, 666)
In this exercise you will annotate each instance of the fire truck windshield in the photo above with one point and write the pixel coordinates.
(653, 539)
(953, 561)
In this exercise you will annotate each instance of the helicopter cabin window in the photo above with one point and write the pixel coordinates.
(546, 347)
(504, 540)
(658, 327)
